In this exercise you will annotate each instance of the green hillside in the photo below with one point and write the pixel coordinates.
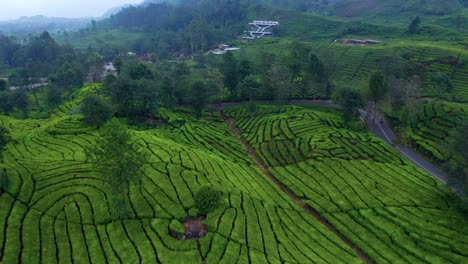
(56, 204)
(389, 208)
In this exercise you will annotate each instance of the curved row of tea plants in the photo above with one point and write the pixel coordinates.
(56, 208)
(432, 127)
(391, 209)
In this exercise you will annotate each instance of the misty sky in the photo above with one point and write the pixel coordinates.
(11, 9)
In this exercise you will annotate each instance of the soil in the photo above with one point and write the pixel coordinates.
(307, 208)
(194, 229)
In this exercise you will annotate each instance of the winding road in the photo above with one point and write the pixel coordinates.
(380, 129)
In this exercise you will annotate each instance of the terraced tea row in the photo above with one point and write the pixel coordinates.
(392, 210)
(57, 207)
(432, 127)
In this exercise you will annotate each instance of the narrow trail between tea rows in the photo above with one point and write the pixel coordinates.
(308, 209)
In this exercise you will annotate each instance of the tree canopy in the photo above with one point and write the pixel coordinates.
(120, 160)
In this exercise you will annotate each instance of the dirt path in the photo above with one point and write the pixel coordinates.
(308, 209)
(381, 130)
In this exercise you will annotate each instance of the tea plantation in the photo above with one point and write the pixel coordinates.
(393, 211)
(56, 206)
(432, 125)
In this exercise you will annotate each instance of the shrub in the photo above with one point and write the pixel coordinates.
(177, 227)
(193, 212)
(207, 199)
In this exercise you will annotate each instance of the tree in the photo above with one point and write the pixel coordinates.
(249, 88)
(199, 97)
(3, 85)
(230, 72)
(245, 69)
(414, 25)
(135, 92)
(351, 101)
(96, 110)
(168, 97)
(296, 62)
(6, 102)
(207, 199)
(315, 77)
(21, 102)
(376, 92)
(120, 161)
(53, 96)
(277, 83)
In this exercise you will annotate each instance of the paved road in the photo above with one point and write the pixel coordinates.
(383, 131)
(380, 129)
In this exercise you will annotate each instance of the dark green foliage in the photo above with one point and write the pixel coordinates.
(3, 85)
(120, 161)
(230, 72)
(135, 92)
(249, 88)
(21, 102)
(296, 59)
(277, 83)
(168, 97)
(458, 156)
(442, 84)
(315, 69)
(207, 199)
(414, 26)
(245, 69)
(6, 102)
(199, 96)
(378, 87)
(4, 138)
(96, 110)
(53, 96)
(351, 101)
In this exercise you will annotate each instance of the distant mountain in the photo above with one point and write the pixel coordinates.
(38, 24)
(117, 9)
(113, 11)
(356, 8)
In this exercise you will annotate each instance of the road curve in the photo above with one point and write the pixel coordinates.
(381, 129)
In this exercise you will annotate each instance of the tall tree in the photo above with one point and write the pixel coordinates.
(21, 102)
(3, 85)
(96, 110)
(199, 96)
(230, 72)
(351, 101)
(120, 160)
(414, 25)
(376, 92)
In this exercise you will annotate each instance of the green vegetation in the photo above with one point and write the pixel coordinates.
(207, 199)
(389, 208)
(177, 227)
(58, 204)
(120, 161)
(71, 192)
(96, 110)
